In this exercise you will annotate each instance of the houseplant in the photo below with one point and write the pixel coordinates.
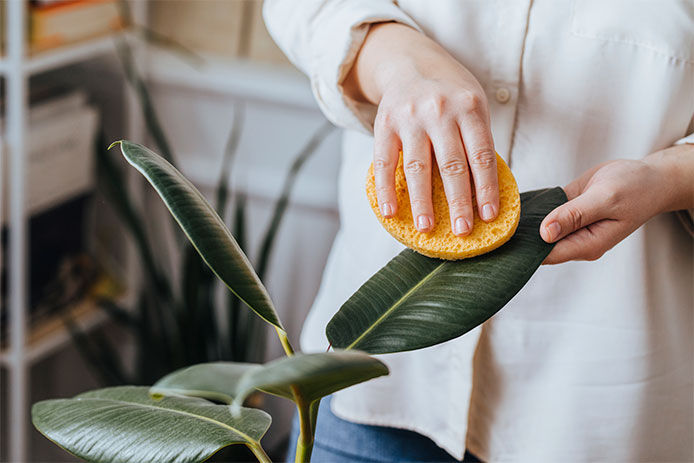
(190, 414)
(172, 310)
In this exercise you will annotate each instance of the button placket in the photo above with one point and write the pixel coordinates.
(503, 94)
(513, 16)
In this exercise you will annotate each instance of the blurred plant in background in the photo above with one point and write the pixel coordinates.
(179, 323)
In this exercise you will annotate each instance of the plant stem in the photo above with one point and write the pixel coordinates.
(314, 415)
(259, 453)
(285, 342)
(304, 445)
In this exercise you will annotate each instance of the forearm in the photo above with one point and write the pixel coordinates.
(676, 167)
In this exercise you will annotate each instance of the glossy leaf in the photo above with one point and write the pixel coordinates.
(204, 229)
(313, 375)
(214, 381)
(124, 424)
(416, 301)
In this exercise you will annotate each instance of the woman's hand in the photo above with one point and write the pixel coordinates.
(426, 100)
(610, 201)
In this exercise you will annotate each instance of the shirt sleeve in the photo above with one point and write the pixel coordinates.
(687, 216)
(322, 38)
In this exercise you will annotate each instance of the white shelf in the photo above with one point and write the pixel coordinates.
(51, 334)
(66, 55)
(251, 80)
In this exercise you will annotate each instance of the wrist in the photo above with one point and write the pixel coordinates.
(386, 54)
(675, 168)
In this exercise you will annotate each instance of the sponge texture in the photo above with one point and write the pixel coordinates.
(441, 242)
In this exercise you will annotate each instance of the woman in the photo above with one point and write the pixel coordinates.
(591, 360)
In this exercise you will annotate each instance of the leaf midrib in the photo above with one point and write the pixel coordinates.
(395, 305)
(199, 417)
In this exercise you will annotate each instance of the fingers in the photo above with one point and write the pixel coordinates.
(417, 166)
(386, 155)
(453, 166)
(589, 243)
(481, 157)
(573, 215)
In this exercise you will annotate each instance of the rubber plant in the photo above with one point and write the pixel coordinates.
(169, 312)
(190, 414)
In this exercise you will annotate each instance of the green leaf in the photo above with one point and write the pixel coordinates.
(214, 381)
(204, 229)
(416, 301)
(113, 182)
(124, 424)
(312, 375)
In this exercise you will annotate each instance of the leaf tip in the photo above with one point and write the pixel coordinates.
(117, 142)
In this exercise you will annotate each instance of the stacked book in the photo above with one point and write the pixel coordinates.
(53, 23)
(60, 179)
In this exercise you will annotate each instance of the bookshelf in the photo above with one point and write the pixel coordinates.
(50, 334)
(27, 345)
(63, 56)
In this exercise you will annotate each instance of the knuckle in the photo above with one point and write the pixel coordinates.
(575, 217)
(409, 108)
(453, 167)
(383, 191)
(594, 255)
(383, 165)
(460, 204)
(384, 119)
(487, 189)
(482, 158)
(612, 196)
(414, 166)
(419, 203)
(471, 102)
(435, 105)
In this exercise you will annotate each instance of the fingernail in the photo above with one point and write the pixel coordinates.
(423, 223)
(386, 210)
(461, 226)
(487, 212)
(553, 229)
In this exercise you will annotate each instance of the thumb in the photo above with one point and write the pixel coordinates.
(573, 215)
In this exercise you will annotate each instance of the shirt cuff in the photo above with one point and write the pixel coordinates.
(341, 34)
(688, 139)
(686, 216)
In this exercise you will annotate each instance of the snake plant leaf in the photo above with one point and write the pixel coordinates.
(204, 228)
(312, 375)
(124, 424)
(214, 381)
(416, 301)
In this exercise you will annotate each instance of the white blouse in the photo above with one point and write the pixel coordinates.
(591, 361)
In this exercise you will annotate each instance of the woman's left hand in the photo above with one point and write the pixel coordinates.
(610, 201)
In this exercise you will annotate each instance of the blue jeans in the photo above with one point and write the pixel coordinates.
(340, 441)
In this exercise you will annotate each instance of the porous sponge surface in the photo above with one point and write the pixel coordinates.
(441, 242)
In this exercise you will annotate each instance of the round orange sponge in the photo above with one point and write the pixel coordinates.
(441, 242)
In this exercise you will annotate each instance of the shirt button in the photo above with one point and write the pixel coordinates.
(503, 95)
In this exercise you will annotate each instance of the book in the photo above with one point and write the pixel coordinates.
(59, 158)
(60, 23)
(209, 26)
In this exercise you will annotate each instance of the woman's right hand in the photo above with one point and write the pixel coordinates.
(426, 99)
